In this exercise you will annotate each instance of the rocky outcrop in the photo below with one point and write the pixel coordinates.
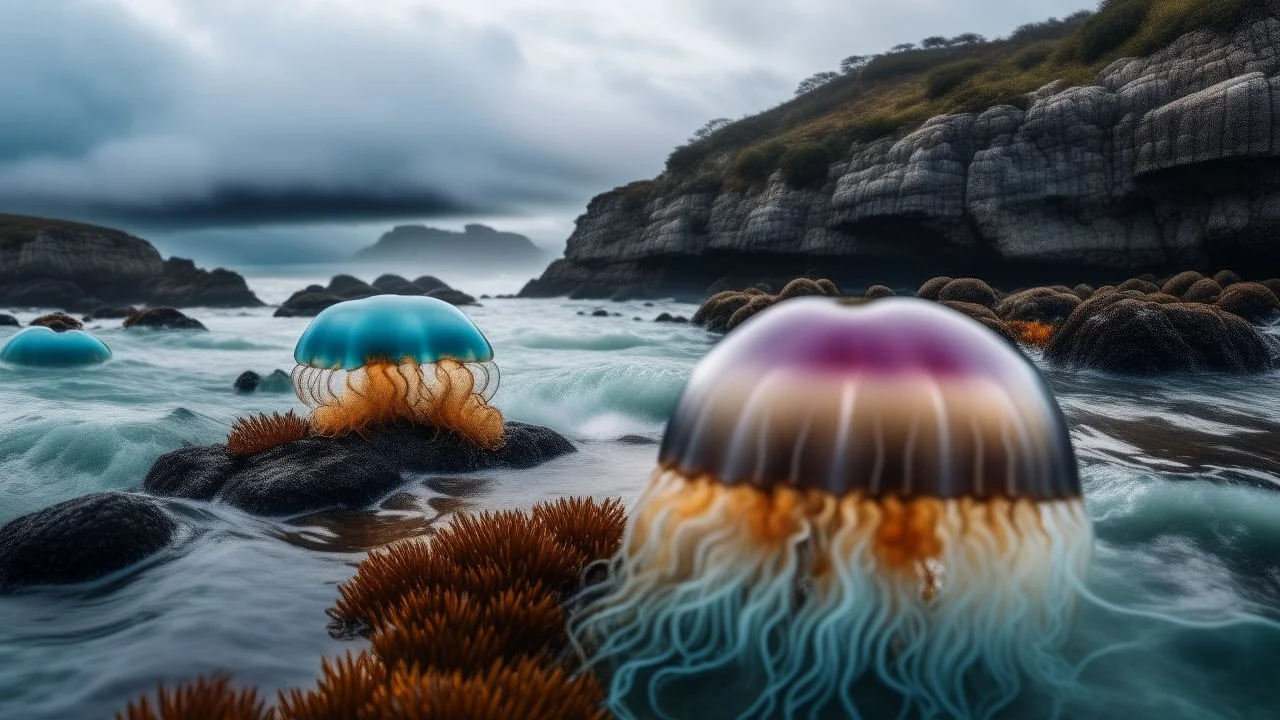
(476, 245)
(78, 267)
(1166, 162)
(311, 300)
(164, 318)
(81, 539)
(346, 472)
(277, 381)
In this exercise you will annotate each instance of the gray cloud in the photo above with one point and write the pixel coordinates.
(188, 114)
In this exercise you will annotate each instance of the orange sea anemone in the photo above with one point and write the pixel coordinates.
(210, 698)
(254, 434)
(1032, 332)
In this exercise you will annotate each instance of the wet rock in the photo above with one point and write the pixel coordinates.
(247, 381)
(350, 288)
(164, 318)
(307, 303)
(1226, 278)
(1205, 290)
(600, 313)
(181, 283)
(879, 291)
(107, 312)
(347, 472)
(669, 318)
(429, 283)
(452, 296)
(81, 539)
(1083, 291)
(9, 321)
(59, 322)
(1252, 301)
(1140, 284)
(388, 281)
(969, 290)
(1124, 332)
(1180, 283)
(930, 288)
(1048, 305)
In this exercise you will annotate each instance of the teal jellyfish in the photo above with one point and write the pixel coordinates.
(42, 346)
(850, 500)
(392, 358)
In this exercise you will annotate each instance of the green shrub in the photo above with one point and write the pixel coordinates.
(758, 163)
(948, 77)
(804, 165)
(1191, 15)
(1115, 22)
(873, 127)
(1034, 55)
(911, 62)
(686, 157)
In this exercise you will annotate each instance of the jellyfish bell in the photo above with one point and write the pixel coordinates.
(393, 358)
(847, 495)
(44, 347)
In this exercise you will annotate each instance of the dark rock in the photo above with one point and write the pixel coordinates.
(1273, 285)
(648, 304)
(1140, 284)
(247, 382)
(1083, 291)
(669, 318)
(969, 290)
(1252, 301)
(81, 539)
(1180, 283)
(1225, 278)
(931, 287)
(44, 293)
(429, 283)
(880, 291)
(277, 382)
(110, 313)
(1147, 278)
(800, 287)
(183, 284)
(346, 472)
(1046, 305)
(1124, 332)
(388, 281)
(1206, 290)
(59, 322)
(973, 310)
(350, 288)
(406, 289)
(476, 245)
(600, 313)
(452, 296)
(306, 304)
(9, 320)
(486, 296)
(636, 440)
(163, 318)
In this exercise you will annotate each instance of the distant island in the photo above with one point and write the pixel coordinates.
(476, 244)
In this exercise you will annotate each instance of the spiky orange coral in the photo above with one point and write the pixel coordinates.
(592, 527)
(206, 699)
(1032, 332)
(525, 689)
(483, 553)
(256, 433)
(344, 690)
(447, 630)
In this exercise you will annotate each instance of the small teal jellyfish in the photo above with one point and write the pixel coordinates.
(392, 358)
(848, 497)
(44, 347)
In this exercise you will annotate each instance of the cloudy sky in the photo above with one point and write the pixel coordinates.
(248, 131)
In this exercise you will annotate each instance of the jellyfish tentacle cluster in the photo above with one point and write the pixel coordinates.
(42, 346)
(849, 496)
(393, 358)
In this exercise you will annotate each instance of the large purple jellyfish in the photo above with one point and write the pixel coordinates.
(849, 495)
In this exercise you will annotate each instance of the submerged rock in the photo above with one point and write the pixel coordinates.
(669, 318)
(110, 313)
(163, 318)
(249, 381)
(81, 539)
(1125, 332)
(348, 472)
(58, 322)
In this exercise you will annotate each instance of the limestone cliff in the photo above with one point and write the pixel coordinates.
(75, 266)
(1171, 161)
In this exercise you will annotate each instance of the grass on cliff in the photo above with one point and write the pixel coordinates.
(891, 93)
(17, 230)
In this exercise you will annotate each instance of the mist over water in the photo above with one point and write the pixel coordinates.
(1181, 478)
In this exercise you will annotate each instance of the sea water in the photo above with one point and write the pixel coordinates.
(1181, 475)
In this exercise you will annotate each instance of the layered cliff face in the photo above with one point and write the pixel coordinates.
(1168, 161)
(74, 266)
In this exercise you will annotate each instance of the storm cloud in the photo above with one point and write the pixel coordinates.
(192, 114)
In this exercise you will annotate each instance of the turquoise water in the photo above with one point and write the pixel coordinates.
(1182, 479)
